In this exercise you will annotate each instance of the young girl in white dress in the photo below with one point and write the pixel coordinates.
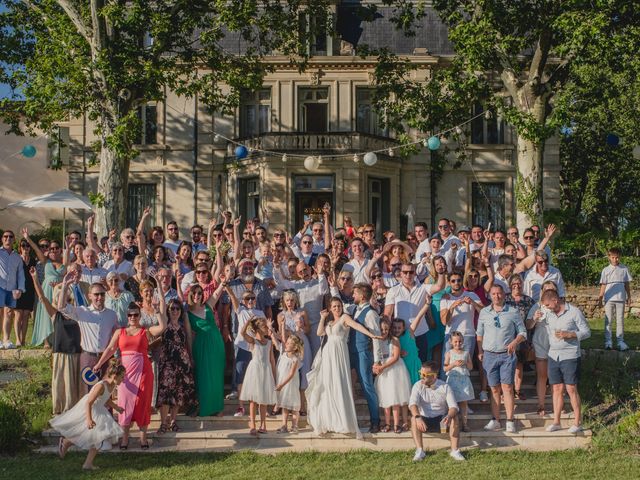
(393, 385)
(457, 364)
(295, 319)
(288, 380)
(89, 423)
(259, 386)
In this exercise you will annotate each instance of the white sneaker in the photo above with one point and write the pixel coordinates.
(457, 455)
(469, 411)
(10, 346)
(623, 347)
(493, 425)
(232, 396)
(554, 427)
(484, 397)
(511, 427)
(420, 455)
(573, 429)
(608, 345)
(1, 346)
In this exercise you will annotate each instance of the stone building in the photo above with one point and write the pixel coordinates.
(186, 171)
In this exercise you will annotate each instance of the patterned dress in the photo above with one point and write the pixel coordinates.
(176, 385)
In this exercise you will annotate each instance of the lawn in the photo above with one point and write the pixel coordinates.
(359, 464)
(631, 333)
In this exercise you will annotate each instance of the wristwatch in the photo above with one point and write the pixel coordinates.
(417, 416)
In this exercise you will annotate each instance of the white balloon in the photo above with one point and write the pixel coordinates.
(311, 163)
(370, 159)
(636, 152)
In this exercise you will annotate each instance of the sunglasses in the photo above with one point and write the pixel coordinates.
(496, 322)
(424, 375)
(346, 279)
(249, 299)
(25, 245)
(542, 262)
(175, 308)
(408, 272)
(457, 280)
(172, 229)
(54, 248)
(368, 231)
(44, 245)
(217, 235)
(396, 264)
(376, 276)
(136, 314)
(198, 272)
(529, 237)
(307, 242)
(99, 294)
(474, 276)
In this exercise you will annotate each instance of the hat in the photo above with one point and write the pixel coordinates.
(435, 236)
(464, 228)
(89, 377)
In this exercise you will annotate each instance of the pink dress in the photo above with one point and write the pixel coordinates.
(136, 390)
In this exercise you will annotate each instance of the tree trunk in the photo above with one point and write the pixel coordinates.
(529, 183)
(112, 189)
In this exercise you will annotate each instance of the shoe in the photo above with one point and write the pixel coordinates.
(232, 396)
(520, 395)
(554, 427)
(511, 427)
(469, 411)
(457, 455)
(420, 455)
(493, 425)
(10, 346)
(484, 397)
(374, 429)
(623, 347)
(1, 346)
(608, 346)
(575, 429)
(239, 412)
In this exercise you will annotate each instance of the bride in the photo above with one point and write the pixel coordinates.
(329, 394)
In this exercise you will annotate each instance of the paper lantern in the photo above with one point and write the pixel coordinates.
(29, 151)
(613, 140)
(433, 143)
(370, 159)
(311, 163)
(566, 131)
(241, 152)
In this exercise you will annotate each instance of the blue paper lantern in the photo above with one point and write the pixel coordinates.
(29, 151)
(241, 152)
(613, 140)
(433, 143)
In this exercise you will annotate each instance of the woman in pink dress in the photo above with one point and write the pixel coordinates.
(136, 391)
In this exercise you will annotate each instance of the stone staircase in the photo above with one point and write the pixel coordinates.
(226, 433)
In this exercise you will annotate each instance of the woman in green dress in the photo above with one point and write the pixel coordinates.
(208, 351)
(54, 270)
(435, 335)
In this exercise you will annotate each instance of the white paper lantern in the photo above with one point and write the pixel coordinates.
(370, 159)
(284, 158)
(217, 138)
(636, 152)
(356, 158)
(311, 163)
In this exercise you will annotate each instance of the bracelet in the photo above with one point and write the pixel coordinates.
(417, 416)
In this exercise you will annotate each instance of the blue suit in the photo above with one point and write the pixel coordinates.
(361, 354)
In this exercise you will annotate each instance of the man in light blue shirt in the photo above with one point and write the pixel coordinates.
(566, 327)
(11, 284)
(500, 330)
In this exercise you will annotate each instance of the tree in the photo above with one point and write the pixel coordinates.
(514, 56)
(105, 59)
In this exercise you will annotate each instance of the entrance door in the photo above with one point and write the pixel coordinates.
(310, 204)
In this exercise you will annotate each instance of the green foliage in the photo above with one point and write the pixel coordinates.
(12, 428)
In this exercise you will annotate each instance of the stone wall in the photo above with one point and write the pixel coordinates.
(587, 301)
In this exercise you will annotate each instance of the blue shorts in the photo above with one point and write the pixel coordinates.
(500, 368)
(6, 298)
(563, 371)
(433, 423)
(243, 357)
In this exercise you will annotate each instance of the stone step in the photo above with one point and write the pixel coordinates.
(305, 440)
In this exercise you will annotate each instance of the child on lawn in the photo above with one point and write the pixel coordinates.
(614, 293)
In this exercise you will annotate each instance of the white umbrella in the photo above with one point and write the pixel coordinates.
(61, 199)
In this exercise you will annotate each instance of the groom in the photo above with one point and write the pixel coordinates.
(363, 353)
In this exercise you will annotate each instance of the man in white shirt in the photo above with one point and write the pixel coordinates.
(422, 236)
(433, 407)
(358, 264)
(118, 264)
(447, 236)
(614, 293)
(405, 301)
(541, 272)
(172, 241)
(457, 311)
(96, 323)
(91, 272)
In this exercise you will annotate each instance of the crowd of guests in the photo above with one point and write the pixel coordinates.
(298, 319)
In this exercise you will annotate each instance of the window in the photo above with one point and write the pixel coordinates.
(379, 204)
(488, 204)
(58, 148)
(141, 196)
(249, 197)
(314, 110)
(255, 112)
(487, 131)
(148, 115)
(311, 193)
(320, 41)
(367, 119)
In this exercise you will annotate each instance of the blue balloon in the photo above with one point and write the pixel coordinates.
(613, 140)
(29, 151)
(433, 143)
(241, 152)
(566, 131)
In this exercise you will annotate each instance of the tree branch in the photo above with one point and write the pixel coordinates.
(539, 60)
(75, 18)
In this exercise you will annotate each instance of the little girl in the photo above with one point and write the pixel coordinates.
(409, 349)
(393, 384)
(259, 386)
(288, 386)
(88, 424)
(457, 364)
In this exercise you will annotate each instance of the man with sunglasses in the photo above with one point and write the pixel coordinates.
(542, 272)
(433, 405)
(457, 310)
(128, 243)
(97, 324)
(172, 241)
(500, 331)
(447, 236)
(197, 244)
(12, 284)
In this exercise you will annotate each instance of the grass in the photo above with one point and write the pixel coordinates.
(353, 465)
(631, 333)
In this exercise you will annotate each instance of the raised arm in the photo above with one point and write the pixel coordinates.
(245, 334)
(548, 233)
(142, 241)
(91, 243)
(218, 265)
(236, 238)
(324, 314)
(416, 321)
(215, 296)
(440, 283)
(51, 310)
(235, 303)
(361, 328)
(34, 246)
(326, 215)
(157, 330)
(109, 351)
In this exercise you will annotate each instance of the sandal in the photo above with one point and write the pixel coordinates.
(541, 411)
(162, 430)
(174, 427)
(386, 428)
(144, 446)
(405, 427)
(302, 413)
(520, 396)
(282, 429)
(253, 432)
(262, 430)
(397, 429)
(124, 446)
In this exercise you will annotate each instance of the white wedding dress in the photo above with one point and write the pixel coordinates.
(329, 394)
